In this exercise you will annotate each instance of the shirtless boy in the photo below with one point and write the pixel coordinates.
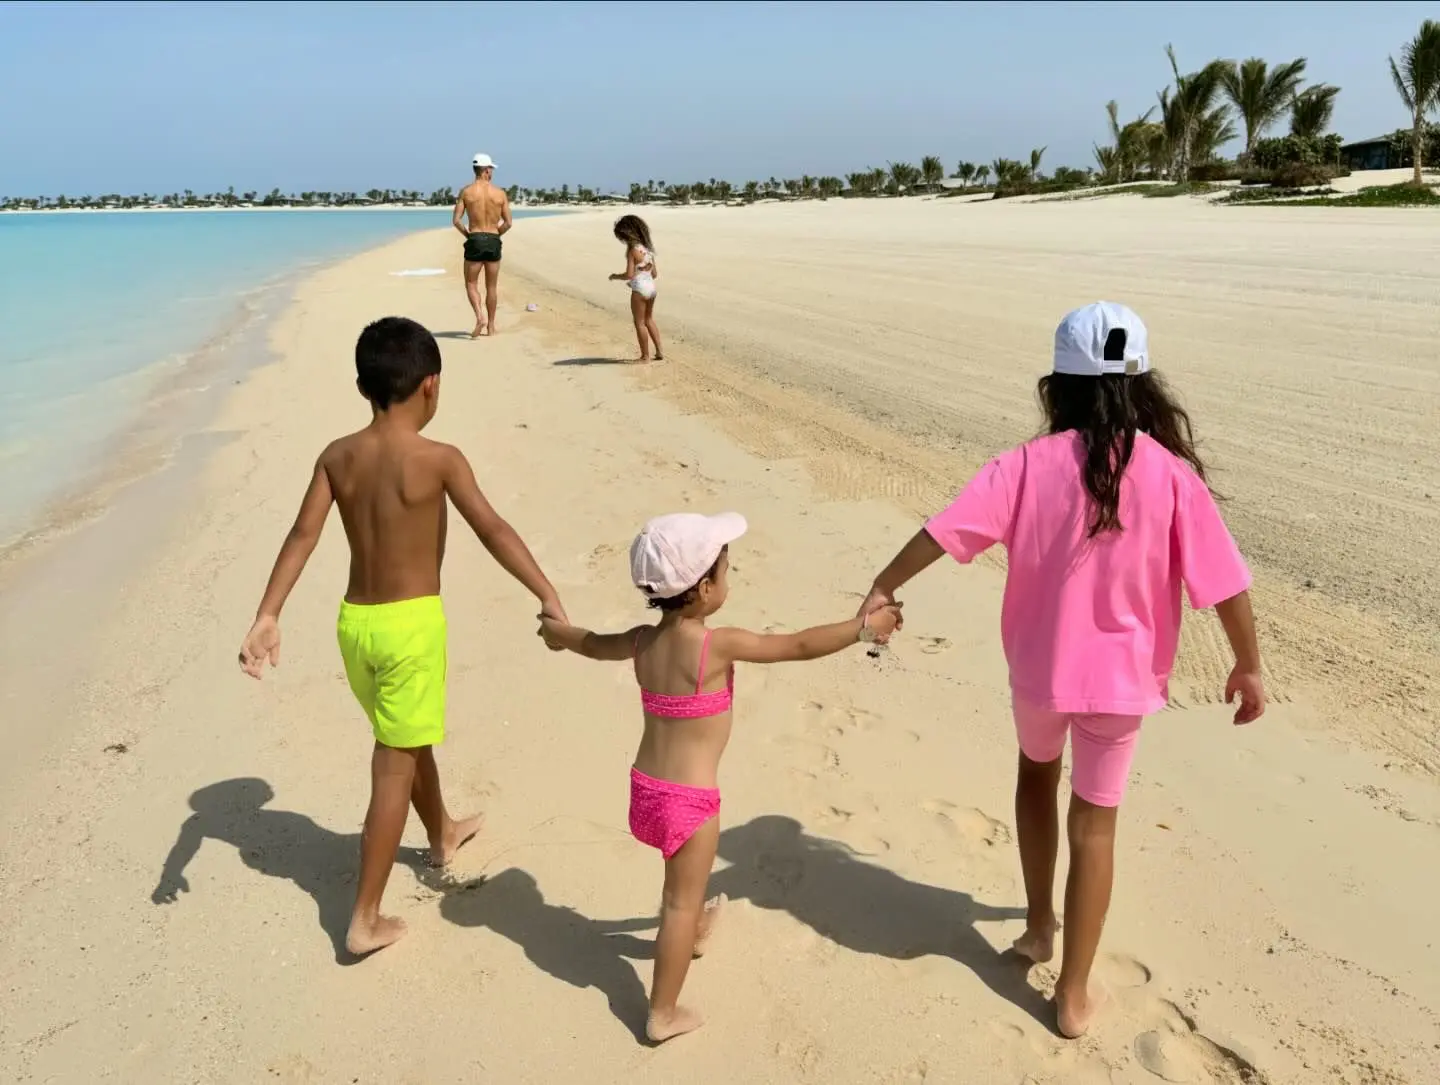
(487, 209)
(391, 485)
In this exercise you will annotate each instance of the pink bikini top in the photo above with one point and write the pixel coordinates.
(688, 706)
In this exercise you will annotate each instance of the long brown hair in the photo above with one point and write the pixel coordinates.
(632, 230)
(1106, 412)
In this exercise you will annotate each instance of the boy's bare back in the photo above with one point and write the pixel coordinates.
(390, 486)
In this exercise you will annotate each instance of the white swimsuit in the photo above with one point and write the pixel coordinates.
(644, 281)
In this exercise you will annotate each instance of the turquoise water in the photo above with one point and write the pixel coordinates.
(94, 307)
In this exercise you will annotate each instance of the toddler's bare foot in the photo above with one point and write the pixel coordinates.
(456, 836)
(708, 919)
(1075, 1013)
(1036, 945)
(668, 1025)
(364, 938)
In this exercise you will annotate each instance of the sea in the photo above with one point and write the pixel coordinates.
(100, 312)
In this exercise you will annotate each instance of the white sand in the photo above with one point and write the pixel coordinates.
(836, 371)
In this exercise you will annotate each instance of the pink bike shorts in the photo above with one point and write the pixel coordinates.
(1101, 748)
(665, 815)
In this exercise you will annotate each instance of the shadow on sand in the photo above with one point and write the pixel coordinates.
(458, 335)
(775, 865)
(278, 844)
(596, 361)
(560, 941)
(866, 908)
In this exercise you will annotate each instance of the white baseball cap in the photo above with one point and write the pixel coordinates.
(672, 553)
(482, 162)
(1101, 339)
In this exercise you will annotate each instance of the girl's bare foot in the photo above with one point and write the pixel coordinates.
(708, 918)
(456, 836)
(664, 1026)
(1075, 1013)
(659, 357)
(479, 330)
(364, 937)
(1036, 945)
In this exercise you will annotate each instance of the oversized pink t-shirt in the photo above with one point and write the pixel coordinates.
(1091, 625)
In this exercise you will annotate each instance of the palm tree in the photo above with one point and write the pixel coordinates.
(932, 171)
(1417, 78)
(982, 174)
(1261, 94)
(1311, 110)
(900, 176)
(1188, 108)
(1035, 156)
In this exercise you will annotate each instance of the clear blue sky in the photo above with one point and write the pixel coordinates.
(130, 97)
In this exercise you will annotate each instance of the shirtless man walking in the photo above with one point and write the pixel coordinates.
(488, 210)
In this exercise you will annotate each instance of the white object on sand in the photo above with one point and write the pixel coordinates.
(417, 271)
(532, 308)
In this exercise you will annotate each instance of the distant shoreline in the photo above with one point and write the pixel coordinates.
(435, 209)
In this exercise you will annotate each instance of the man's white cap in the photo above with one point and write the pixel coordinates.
(482, 162)
(672, 553)
(1100, 339)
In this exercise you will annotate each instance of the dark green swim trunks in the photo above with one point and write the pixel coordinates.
(482, 248)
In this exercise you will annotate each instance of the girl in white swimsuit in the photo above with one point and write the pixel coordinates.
(639, 275)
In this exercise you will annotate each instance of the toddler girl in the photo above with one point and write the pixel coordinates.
(640, 274)
(686, 676)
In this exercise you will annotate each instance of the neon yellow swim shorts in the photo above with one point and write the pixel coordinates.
(395, 660)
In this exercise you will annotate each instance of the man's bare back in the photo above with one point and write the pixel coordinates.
(486, 208)
(390, 485)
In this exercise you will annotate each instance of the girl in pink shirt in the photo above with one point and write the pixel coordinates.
(1103, 520)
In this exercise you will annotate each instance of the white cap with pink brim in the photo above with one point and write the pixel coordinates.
(672, 553)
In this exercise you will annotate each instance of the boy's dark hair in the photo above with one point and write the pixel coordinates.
(690, 594)
(393, 356)
(1107, 411)
(632, 230)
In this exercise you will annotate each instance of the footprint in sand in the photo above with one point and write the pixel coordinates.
(933, 645)
(1122, 972)
(838, 720)
(968, 822)
(1175, 1050)
(913, 1073)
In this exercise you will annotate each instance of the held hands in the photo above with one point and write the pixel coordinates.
(552, 616)
(550, 629)
(884, 620)
(261, 645)
(877, 600)
(1250, 688)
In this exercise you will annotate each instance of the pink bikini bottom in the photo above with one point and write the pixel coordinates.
(665, 815)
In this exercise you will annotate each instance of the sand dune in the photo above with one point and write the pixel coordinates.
(175, 908)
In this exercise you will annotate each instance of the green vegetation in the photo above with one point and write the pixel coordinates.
(1408, 194)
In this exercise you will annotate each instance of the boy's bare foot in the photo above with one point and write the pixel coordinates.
(708, 919)
(1075, 1013)
(479, 330)
(677, 1022)
(363, 938)
(456, 836)
(1036, 945)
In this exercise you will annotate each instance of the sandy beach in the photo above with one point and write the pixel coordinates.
(179, 852)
